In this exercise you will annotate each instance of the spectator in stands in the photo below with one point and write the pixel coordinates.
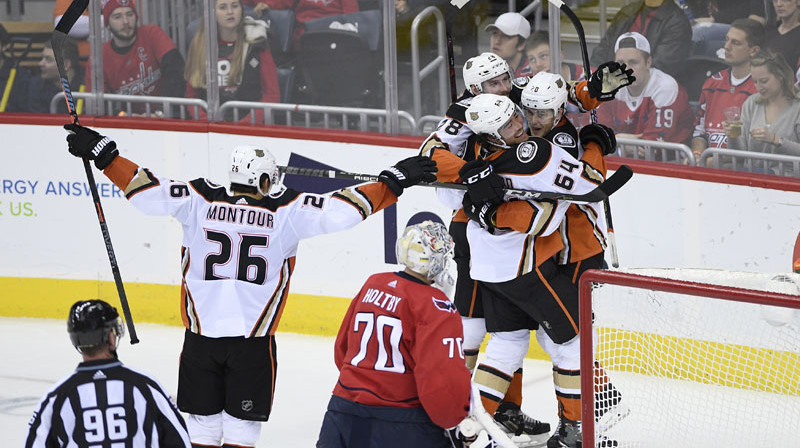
(537, 48)
(784, 38)
(655, 106)
(507, 40)
(305, 10)
(79, 31)
(725, 11)
(49, 82)
(245, 68)
(139, 59)
(13, 92)
(728, 88)
(770, 118)
(663, 23)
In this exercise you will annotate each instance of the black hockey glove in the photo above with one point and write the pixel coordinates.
(484, 213)
(608, 79)
(600, 134)
(409, 172)
(483, 184)
(88, 144)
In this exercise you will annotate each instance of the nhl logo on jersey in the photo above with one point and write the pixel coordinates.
(564, 140)
(526, 151)
(444, 305)
(247, 405)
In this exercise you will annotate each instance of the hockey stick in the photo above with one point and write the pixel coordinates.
(59, 35)
(576, 22)
(486, 420)
(604, 190)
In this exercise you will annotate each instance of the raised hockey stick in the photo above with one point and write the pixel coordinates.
(59, 35)
(576, 22)
(604, 190)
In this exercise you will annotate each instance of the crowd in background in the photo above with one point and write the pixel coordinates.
(710, 73)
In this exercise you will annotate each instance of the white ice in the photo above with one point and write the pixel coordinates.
(36, 353)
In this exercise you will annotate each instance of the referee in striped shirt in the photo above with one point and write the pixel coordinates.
(104, 404)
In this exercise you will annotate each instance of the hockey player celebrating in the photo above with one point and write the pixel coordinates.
(104, 403)
(239, 251)
(513, 243)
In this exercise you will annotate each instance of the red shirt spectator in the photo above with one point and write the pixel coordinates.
(306, 10)
(655, 106)
(245, 68)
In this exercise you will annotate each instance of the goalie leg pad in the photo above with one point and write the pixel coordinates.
(205, 429)
(240, 432)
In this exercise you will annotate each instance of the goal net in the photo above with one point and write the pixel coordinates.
(690, 358)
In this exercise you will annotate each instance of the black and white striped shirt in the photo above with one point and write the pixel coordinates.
(107, 405)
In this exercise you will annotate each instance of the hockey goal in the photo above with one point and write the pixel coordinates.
(690, 358)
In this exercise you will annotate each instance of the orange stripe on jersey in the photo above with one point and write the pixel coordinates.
(274, 325)
(121, 171)
(516, 215)
(448, 165)
(474, 297)
(379, 194)
(557, 299)
(575, 274)
(579, 96)
(547, 246)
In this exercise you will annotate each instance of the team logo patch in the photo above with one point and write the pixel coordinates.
(247, 405)
(564, 140)
(444, 305)
(526, 151)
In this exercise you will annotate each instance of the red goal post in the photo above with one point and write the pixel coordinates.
(677, 362)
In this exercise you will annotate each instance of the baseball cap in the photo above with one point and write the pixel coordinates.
(511, 24)
(110, 5)
(632, 40)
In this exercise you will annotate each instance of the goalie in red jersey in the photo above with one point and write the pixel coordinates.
(402, 373)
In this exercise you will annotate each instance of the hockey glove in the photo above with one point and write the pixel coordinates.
(469, 433)
(483, 184)
(608, 79)
(408, 172)
(484, 213)
(88, 144)
(600, 134)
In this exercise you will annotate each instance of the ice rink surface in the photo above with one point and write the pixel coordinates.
(36, 354)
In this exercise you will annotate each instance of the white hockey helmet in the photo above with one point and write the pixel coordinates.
(425, 248)
(482, 68)
(249, 163)
(546, 91)
(487, 113)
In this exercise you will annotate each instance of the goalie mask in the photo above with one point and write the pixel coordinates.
(482, 68)
(546, 91)
(488, 113)
(89, 323)
(425, 248)
(248, 166)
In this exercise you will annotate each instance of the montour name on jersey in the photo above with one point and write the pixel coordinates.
(240, 215)
(382, 299)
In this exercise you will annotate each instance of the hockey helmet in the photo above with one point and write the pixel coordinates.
(425, 248)
(90, 321)
(482, 68)
(248, 166)
(487, 113)
(546, 91)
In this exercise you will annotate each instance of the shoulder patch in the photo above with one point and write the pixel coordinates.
(526, 151)
(564, 140)
(444, 305)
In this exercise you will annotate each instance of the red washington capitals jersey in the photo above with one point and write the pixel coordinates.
(400, 345)
(137, 72)
(661, 112)
(719, 93)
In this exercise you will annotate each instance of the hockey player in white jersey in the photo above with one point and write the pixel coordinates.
(513, 243)
(238, 252)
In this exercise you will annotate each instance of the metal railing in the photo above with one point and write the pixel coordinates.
(756, 162)
(634, 148)
(438, 63)
(154, 106)
(328, 117)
